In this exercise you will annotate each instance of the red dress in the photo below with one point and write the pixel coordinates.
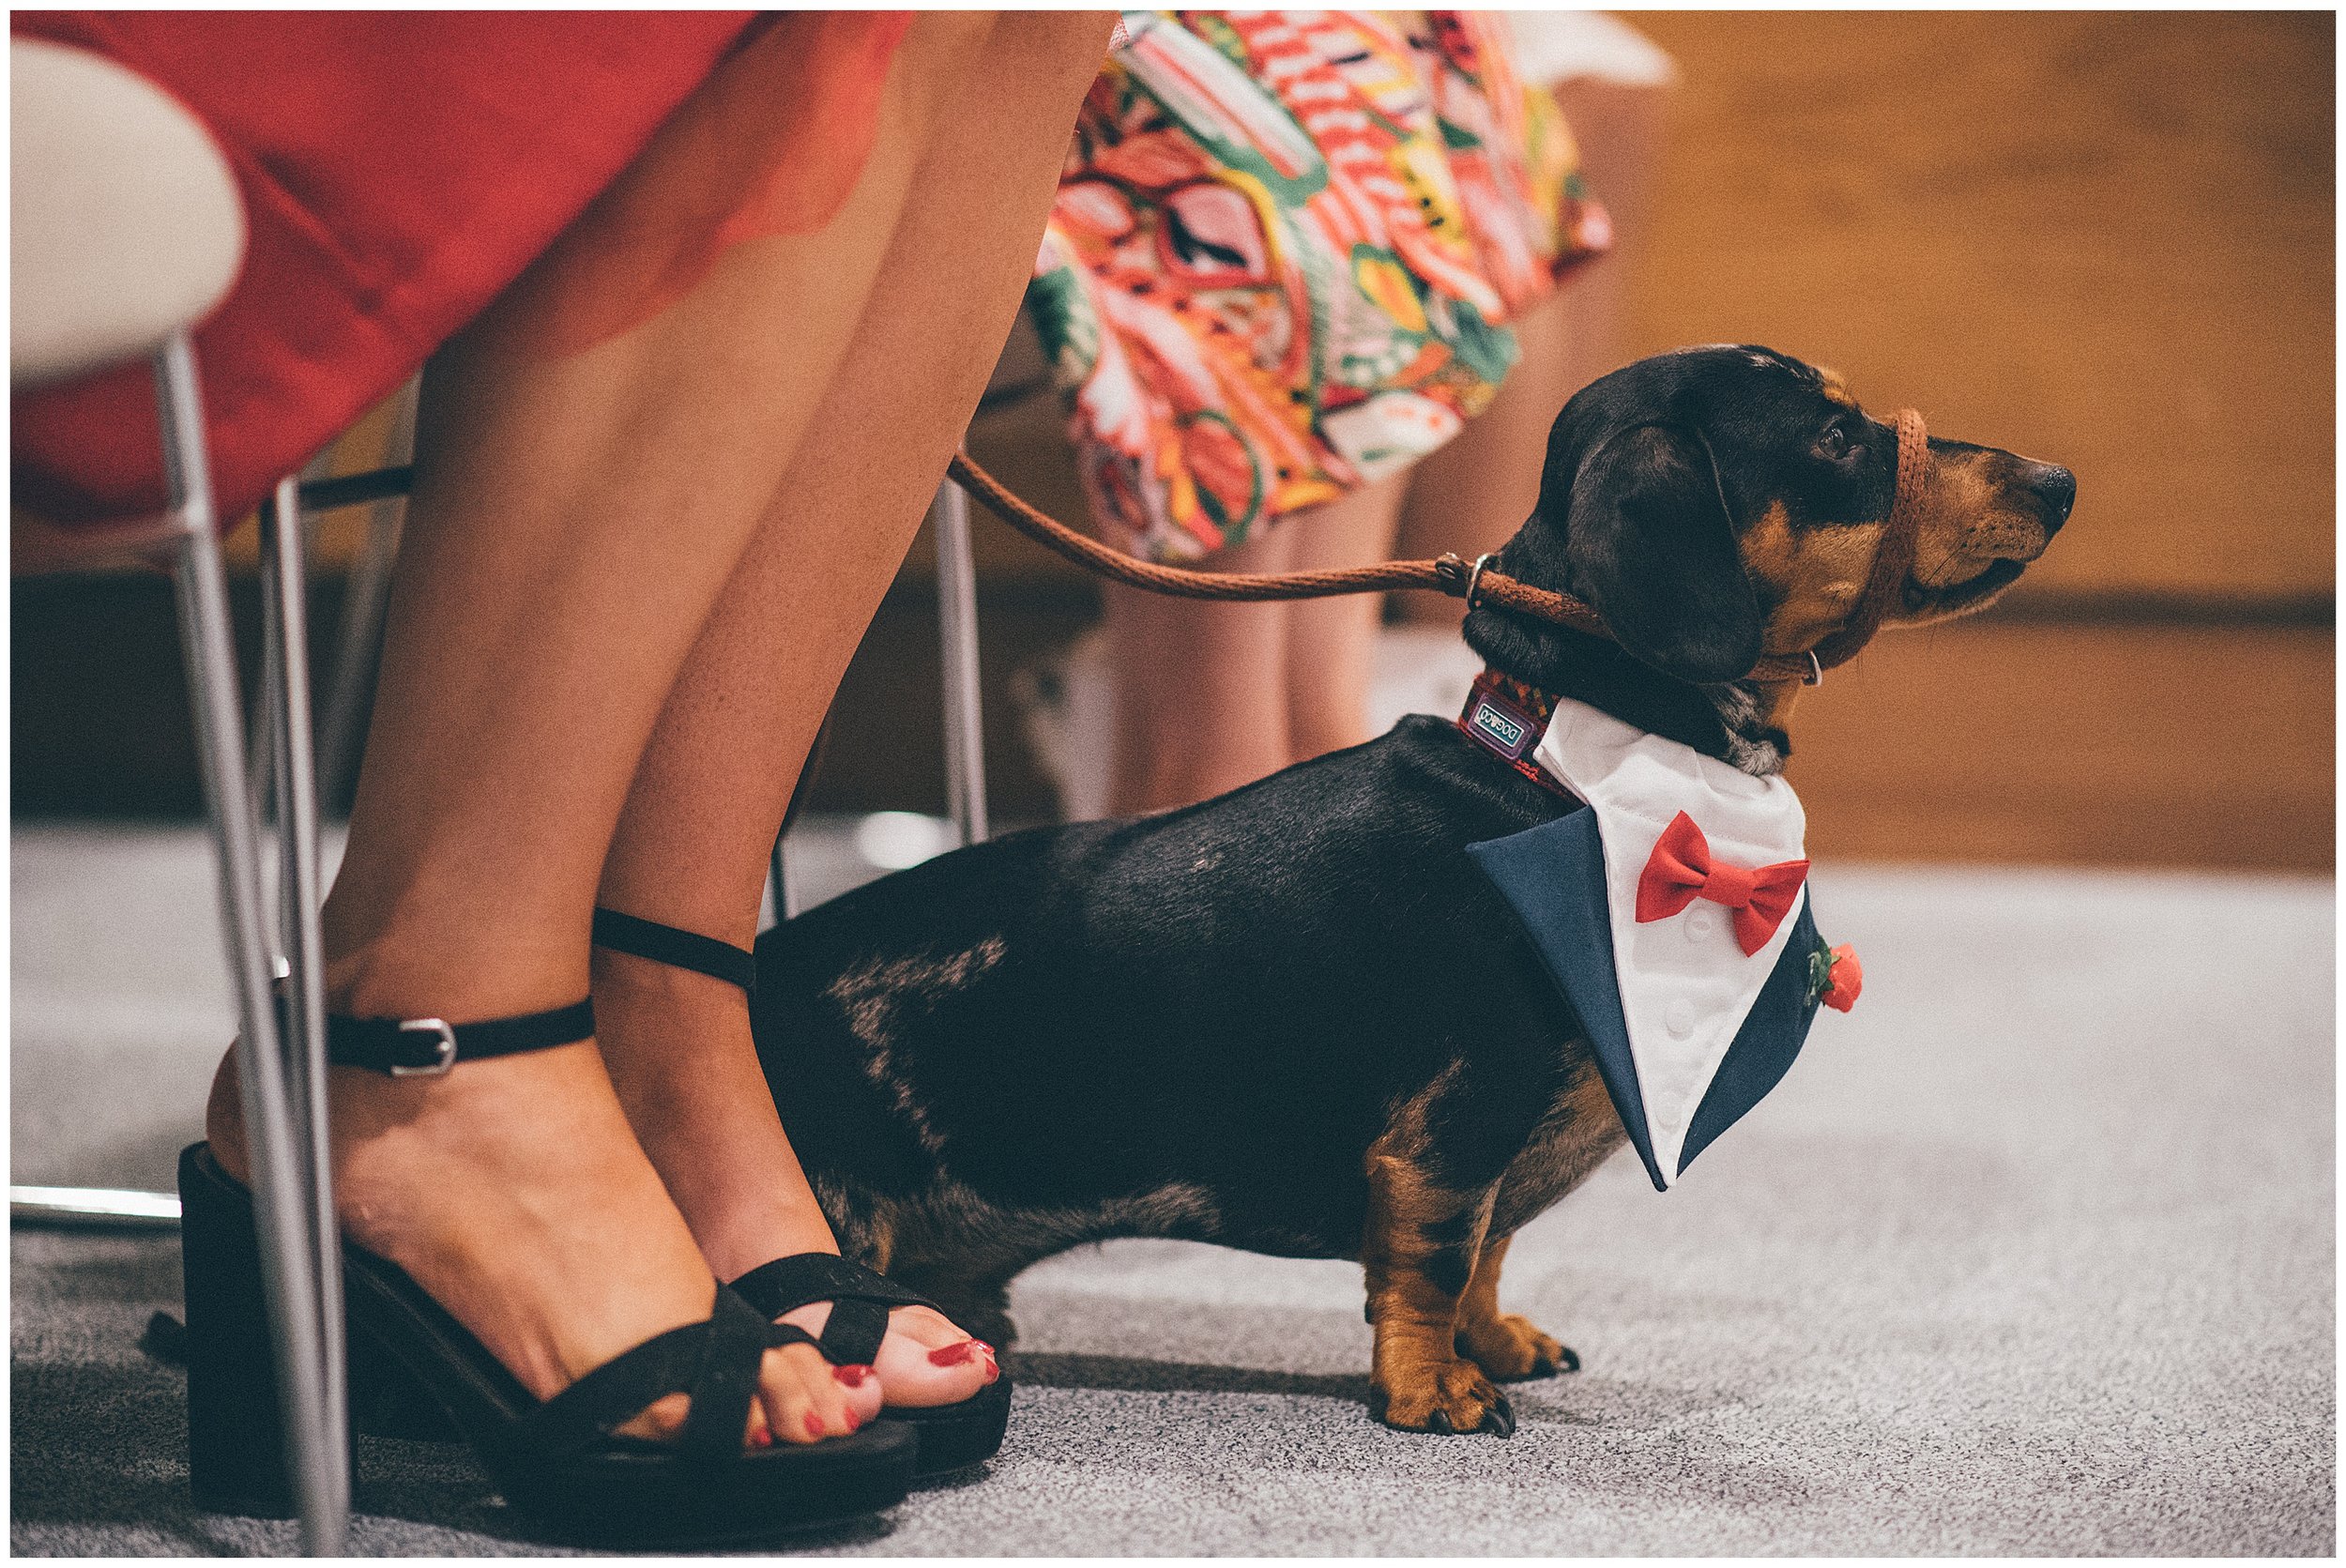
(399, 169)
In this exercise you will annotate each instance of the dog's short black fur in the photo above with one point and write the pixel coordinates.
(1296, 1018)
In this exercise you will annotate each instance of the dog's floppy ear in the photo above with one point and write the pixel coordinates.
(1652, 550)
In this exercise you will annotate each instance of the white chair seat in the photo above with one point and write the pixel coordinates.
(125, 221)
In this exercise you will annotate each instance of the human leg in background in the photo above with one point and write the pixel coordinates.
(1331, 642)
(1265, 351)
(1199, 688)
(574, 521)
(1471, 495)
(1210, 696)
(691, 845)
(1465, 497)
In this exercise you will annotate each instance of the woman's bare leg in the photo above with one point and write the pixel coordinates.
(1211, 696)
(1469, 495)
(691, 845)
(1331, 642)
(1473, 493)
(1200, 689)
(573, 525)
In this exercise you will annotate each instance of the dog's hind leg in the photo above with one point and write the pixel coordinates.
(1504, 1345)
(1419, 1254)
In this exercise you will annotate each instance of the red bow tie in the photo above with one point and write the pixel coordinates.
(1681, 869)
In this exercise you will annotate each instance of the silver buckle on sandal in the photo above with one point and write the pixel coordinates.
(447, 1045)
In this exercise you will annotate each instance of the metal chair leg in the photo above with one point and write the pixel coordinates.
(285, 1194)
(957, 639)
(284, 609)
(261, 737)
(99, 1207)
(964, 718)
(359, 643)
(260, 728)
(786, 900)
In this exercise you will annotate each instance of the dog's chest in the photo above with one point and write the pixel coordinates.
(1579, 1130)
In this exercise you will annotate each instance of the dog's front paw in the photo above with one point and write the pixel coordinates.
(1447, 1396)
(1510, 1347)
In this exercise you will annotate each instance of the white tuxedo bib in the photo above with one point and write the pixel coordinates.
(1689, 1030)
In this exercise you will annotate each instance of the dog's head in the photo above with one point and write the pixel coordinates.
(1720, 503)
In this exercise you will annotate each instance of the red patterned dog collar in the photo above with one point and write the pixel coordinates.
(1506, 717)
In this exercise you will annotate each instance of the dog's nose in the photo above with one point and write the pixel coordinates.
(2057, 488)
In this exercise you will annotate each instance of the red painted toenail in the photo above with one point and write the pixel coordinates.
(813, 1425)
(855, 1422)
(761, 1438)
(954, 1354)
(851, 1374)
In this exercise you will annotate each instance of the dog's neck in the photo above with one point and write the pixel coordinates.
(1735, 722)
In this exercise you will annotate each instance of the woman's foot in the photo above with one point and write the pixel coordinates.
(681, 1056)
(512, 1191)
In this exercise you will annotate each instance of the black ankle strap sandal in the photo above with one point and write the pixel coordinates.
(426, 1047)
(559, 1460)
(951, 1437)
(682, 949)
(966, 1432)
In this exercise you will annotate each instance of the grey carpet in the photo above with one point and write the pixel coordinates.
(2033, 1253)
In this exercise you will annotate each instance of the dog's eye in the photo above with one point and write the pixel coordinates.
(1833, 445)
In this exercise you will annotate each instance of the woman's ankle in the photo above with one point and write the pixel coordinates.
(681, 1055)
(392, 976)
(405, 957)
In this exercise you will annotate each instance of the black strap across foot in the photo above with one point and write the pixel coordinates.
(668, 944)
(860, 1299)
(716, 1362)
(408, 1047)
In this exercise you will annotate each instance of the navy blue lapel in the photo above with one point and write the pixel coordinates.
(1553, 875)
(1764, 1048)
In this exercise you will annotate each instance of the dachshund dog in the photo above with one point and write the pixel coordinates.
(1296, 1018)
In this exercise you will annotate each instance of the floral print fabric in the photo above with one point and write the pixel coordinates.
(1285, 253)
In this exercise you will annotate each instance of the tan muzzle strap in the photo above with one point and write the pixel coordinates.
(1894, 558)
(1473, 581)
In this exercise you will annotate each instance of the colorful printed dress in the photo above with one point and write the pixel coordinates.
(1285, 255)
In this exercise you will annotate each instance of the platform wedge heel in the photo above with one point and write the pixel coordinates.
(236, 1433)
(559, 1462)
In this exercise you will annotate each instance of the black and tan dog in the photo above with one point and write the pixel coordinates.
(1297, 1019)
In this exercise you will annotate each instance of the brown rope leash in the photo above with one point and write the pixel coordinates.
(1472, 581)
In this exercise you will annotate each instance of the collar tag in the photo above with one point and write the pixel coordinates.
(1502, 726)
(1508, 718)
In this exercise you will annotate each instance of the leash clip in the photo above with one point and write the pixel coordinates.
(1474, 577)
(1459, 579)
